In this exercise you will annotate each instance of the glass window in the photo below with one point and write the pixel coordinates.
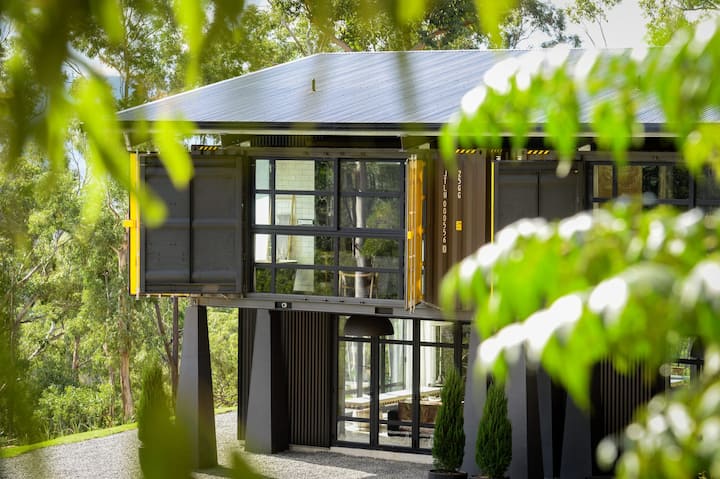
(304, 249)
(371, 213)
(370, 252)
(402, 330)
(263, 248)
(304, 175)
(437, 332)
(375, 176)
(393, 396)
(354, 431)
(603, 181)
(708, 188)
(262, 209)
(262, 174)
(354, 378)
(303, 193)
(303, 210)
(263, 280)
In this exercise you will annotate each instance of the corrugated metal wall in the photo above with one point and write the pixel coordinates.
(307, 343)
(457, 212)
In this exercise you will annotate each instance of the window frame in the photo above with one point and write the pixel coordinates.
(334, 230)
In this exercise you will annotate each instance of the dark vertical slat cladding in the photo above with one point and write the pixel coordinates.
(246, 338)
(307, 347)
(621, 394)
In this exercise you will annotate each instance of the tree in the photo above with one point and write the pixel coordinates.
(665, 18)
(147, 57)
(444, 24)
(624, 283)
(594, 12)
(493, 449)
(449, 436)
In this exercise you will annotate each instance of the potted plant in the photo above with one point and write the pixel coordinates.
(449, 437)
(494, 441)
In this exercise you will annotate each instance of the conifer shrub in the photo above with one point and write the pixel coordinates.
(493, 451)
(449, 437)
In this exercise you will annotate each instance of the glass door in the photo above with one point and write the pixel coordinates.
(388, 388)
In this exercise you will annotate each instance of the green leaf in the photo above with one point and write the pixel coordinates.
(168, 137)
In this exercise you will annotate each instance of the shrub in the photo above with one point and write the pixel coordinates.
(73, 409)
(164, 453)
(494, 442)
(449, 438)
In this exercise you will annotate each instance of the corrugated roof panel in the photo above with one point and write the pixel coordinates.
(378, 88)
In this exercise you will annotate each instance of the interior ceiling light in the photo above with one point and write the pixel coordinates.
(364, 325)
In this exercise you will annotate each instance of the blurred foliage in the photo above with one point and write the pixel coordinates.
(569, 95)
(665, 17)
(622, 283)
(164, 450)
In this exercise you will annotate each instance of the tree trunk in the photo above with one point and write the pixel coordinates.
(111, 380)
(76, 358)
(125, 389)
(174, 368)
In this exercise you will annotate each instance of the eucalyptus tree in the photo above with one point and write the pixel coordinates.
(664, 18)
(442, 24)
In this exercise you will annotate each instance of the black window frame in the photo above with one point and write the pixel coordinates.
(460, 349)
(334, 231)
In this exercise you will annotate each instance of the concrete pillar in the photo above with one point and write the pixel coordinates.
(267, 429)
(195, 407)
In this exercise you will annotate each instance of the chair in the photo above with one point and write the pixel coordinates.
(347, 283)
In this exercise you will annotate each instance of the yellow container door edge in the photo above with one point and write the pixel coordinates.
(133, 226)
(413, 251)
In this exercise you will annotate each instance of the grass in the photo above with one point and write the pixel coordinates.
(13, 451)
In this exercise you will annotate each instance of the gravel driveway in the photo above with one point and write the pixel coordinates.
(116, 457)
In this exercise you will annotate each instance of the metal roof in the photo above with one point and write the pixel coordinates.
(344, 92)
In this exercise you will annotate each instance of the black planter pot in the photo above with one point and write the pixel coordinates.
(441, 474)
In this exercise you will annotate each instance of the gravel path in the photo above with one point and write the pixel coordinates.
(116, 457)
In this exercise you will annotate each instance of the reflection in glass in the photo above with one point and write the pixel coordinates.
(353, 391)
(357, 284)
(304, 249)
(262, 174)
(262, 209)
(435, 361)
(263, 248)
(708, 188)
(402, 329)
(262, 280)
(303, 210)
(353, 431)
(304, 175)
(373, 213)
(395, 396)
(378, 176)
(603, 181)
(437, 331)
(375, 252)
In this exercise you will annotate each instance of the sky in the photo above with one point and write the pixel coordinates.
(625, 26)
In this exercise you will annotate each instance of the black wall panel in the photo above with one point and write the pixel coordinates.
(199, 246)
(246, 339)
(307, 343)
